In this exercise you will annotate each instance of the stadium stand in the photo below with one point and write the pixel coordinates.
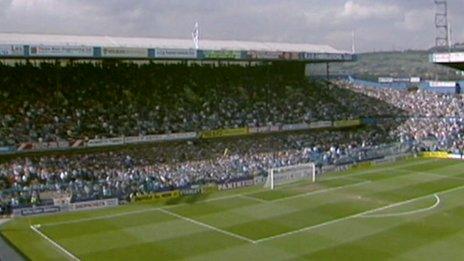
(86, 101)
(236, 120)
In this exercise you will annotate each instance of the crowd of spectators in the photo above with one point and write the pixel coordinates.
(84, 101)
(129, 172)
(425, 116)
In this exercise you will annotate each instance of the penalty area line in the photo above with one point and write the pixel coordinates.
(361, 214)
(40, 233)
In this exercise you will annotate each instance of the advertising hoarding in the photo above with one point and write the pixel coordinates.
(60, 51)
(124, 52)
(11, 50)
(222, 54)
(176, 53)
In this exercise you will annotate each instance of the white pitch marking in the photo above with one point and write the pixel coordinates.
(69, 254)
(437, 202)
(320, 191)
(206, 225)
(137, 211)
(356, 215)
(220, 198)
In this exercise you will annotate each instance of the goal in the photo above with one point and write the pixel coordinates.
(290, 174)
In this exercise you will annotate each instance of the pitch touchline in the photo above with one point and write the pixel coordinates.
(437, 202)
(355, 215)
(69, 254)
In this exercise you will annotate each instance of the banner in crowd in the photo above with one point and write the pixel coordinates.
(176, 53)
(11, 50)
(442, 84)
(436, 155)
(43, 146)
(320, 124)
(295, 127)
(222, 54)
(124, 52)
(265, 129)
(347, 123)
(105, 142)
(399, 80)
(161, 137)
(4, 150)
(224, 133)
(60, 51)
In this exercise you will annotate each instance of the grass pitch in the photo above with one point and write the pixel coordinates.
(407, 210)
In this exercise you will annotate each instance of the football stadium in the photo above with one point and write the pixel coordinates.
(131, 148)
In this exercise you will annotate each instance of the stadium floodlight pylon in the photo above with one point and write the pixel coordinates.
(290, 174)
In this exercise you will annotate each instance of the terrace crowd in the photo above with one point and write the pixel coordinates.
(131, 172)
(84, 101)
(425, 115)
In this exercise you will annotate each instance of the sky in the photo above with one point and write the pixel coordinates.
(378, 24)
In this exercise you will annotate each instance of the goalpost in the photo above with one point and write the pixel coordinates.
(290, 174)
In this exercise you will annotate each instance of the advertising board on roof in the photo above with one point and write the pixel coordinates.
(329, 56)
(60, 51)
(124, 52)
(456, 57)
(264, 55)
(176, 53)
(11, 50)
(222, 54)
(290, 56)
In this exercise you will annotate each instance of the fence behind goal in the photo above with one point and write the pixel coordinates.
(290, 174)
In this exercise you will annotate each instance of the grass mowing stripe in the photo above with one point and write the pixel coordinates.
(379, 169)
(437, 202)
(206, 225)
(356, 215)
(255, 198)
(320, 191)
(232, 196)
(439, 175)
(69, 254)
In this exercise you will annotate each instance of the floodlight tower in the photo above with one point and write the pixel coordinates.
(441, 24)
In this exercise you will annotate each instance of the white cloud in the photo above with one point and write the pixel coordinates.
(369, 10)
(380, 23)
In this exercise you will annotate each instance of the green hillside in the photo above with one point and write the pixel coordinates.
(393, 64)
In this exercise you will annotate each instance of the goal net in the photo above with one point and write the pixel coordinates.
(290, 174)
